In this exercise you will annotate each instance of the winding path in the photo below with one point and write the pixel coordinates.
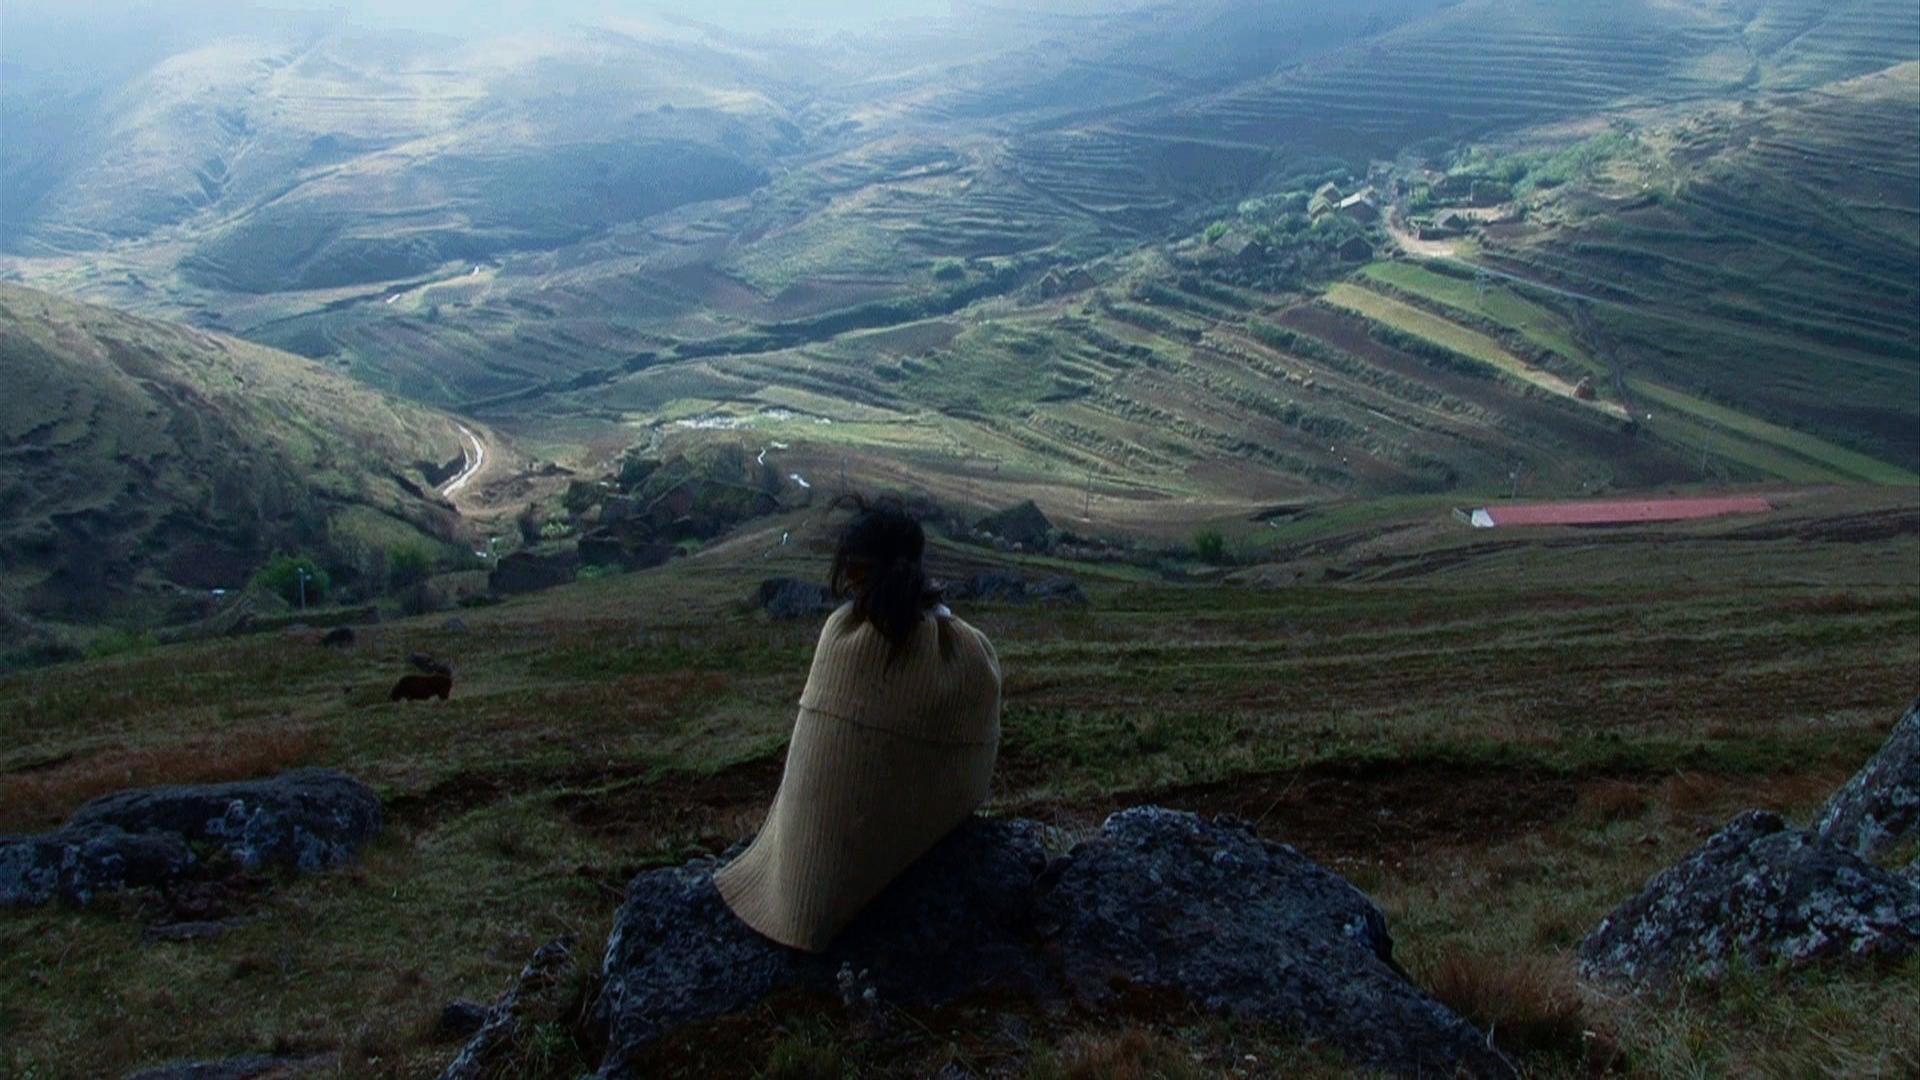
(476, 458)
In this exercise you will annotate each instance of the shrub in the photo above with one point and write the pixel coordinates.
(1215, 231)
(1210, 546)
(407, 567)
(295, 579)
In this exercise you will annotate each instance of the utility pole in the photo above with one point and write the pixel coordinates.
(301, 573)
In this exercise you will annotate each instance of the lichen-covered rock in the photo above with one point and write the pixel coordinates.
(536, 997)
(304, 820)
(1246, 928)
(1879, 809)
(955, 922)
(77, 864)
(1757, 892)
(1159, 899)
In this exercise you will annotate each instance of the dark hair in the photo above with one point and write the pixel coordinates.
(878, 565)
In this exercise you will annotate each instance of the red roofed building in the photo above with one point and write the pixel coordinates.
(1613, 512)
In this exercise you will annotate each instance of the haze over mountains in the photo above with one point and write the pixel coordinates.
(1062, 251)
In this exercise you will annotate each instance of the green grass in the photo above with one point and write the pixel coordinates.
(1844, 463)
(1497, 304)
(1450, 335)
(638, 719)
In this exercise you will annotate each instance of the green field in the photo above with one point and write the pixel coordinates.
(1496, 303)
(1460, 339)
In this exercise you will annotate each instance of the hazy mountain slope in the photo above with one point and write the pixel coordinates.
(146, 463)
(271, 165)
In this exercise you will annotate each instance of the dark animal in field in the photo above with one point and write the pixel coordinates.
(422, 687)
(427, 664)
(338, 638)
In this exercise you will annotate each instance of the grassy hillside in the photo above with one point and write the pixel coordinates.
(1761, 257)
(1498, 738)
(148, 463)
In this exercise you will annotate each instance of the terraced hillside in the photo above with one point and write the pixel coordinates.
(147, 463)
(1761, 258)
(981, 256)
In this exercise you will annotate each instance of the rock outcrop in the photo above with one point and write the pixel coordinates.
(1757, 892)
(300, 821)
(1760, 892)
(1161, 901)
(791, 598)
(999, 587)
(1023, 524)
(1879, 809)
(536, 997)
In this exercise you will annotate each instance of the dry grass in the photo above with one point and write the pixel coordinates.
(44, 798)
(1130, 1054)
(1530, 1004)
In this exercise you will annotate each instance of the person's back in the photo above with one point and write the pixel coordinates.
(893, 747)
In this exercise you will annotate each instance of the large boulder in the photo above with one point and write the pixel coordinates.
(1757, 892)
(1023, 524)
(1879, 809)
(955, 922)
(304, 820)
(300, 821)
(1159, 900)
(76, 865)
(1246, 928)
(791, 598)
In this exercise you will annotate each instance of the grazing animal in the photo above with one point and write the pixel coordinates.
(338, 638)
(423, 662)
(422, 687)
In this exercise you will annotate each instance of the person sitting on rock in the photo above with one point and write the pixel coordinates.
(893, 748)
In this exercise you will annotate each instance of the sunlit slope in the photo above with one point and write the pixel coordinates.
(1762, 257)
(145, 458)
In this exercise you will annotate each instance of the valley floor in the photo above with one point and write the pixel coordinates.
(1499, 745)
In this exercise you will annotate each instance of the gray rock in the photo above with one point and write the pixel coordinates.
(1879, 809)
(75, 865)
(791, 598)
(954, 923)
(1023, 524)
(460, 1019)
(1757, 892)
(995, 586)
(536, 997)
(240, 1068)
(1246, 928)
(304, 820)
(1159, 899)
